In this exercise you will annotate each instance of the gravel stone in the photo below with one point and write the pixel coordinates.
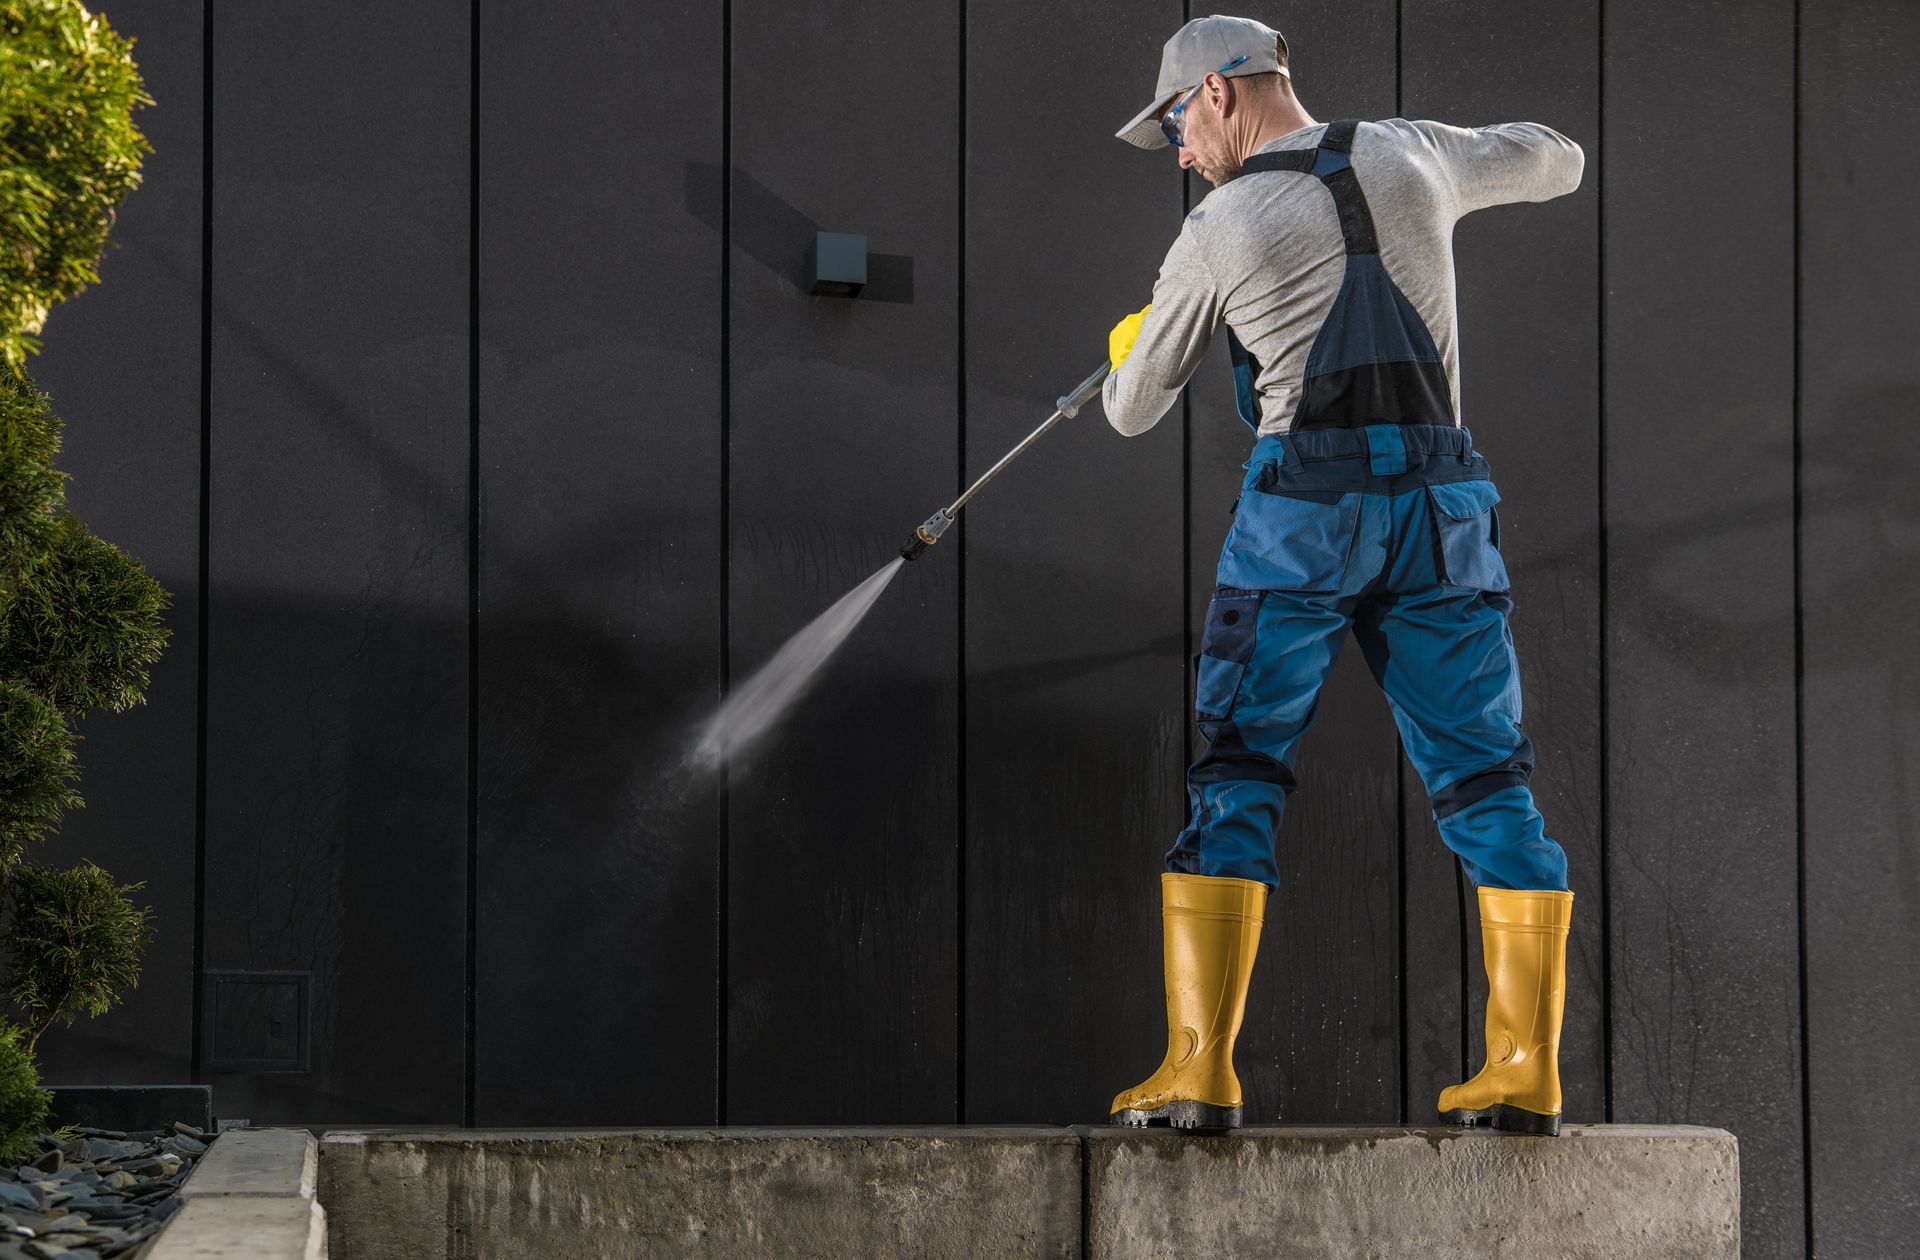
(96, 1196)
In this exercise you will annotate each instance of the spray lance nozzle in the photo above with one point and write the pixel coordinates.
(927, 534)
(1068, 405)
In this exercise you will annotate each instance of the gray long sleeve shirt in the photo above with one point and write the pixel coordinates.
(1264, 253)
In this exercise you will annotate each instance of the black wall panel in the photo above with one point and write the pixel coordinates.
(1321, 1040)
(1859, 603)
(842, 837)
(337, 635)
(932, 895)
(1073, 611)
(1698, 432)
(1529, 376)
(132, 445)
(600, 483)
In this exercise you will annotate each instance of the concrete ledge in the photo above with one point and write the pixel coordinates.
(235, 1226)
(276, 1162)
(788, 1192)
(1641, 1191)
(1599, 1191)
(251, 1195)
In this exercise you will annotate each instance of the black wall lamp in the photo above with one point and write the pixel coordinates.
(837, 264)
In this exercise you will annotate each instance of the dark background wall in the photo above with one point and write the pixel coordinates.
(455, 373)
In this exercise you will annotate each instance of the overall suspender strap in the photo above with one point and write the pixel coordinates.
(1338, 137)
(1334, 166)
(1331, 161)
(1281, 160)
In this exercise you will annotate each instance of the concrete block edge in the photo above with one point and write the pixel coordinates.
(211, 1221)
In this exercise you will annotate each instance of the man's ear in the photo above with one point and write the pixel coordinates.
(1223, 94)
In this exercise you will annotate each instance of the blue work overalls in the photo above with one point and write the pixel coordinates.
(1374, 513)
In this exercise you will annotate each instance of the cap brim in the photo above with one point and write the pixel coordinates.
(1144, 131)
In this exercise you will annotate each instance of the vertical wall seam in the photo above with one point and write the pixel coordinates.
(1085, 1137)
(196, 1032)
(1186, 506)
(1406, 1042)
(1799, 694)
(1606, 781)
(1466, 1012)
(960, 609)
(1399, 772)
(470, 1104)
(722, 925)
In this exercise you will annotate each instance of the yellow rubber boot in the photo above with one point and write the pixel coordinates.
(1210, 932)
(1523, 933)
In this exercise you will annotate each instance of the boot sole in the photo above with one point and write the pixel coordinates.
(1184, 1114)
(1505, 1119)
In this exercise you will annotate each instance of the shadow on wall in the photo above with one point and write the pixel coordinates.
(776, 234)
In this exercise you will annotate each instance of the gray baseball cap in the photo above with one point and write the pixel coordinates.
(1203, 45)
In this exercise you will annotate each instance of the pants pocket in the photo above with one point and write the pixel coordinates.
(1467, 535)
(1290, 542)
(1226, 645)
(1216, 682)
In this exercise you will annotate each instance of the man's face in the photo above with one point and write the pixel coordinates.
(1202, 147)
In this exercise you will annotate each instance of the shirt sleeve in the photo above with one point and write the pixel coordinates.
(1504, 162)
(1172, 341)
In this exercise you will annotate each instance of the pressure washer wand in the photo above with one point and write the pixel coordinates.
(930, 530)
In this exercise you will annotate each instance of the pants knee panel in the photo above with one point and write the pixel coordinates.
(1515, 771)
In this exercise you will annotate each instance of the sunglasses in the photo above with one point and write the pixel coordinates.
(1171, 124)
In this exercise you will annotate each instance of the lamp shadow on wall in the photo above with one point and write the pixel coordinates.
(776, 234)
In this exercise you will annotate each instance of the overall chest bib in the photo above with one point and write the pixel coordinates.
(1373, 360)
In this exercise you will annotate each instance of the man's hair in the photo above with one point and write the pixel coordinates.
(1270, 83)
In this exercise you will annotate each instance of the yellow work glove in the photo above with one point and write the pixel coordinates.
(1120, 340)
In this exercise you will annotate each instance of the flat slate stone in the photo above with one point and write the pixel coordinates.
(1286, 1192)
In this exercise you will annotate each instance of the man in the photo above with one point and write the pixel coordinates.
(1326, 249)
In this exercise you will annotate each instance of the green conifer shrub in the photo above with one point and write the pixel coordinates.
(73, 944)
(69, 154)
(78, 616)
(23, 1104)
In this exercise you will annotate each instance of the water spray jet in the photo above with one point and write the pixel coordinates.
(754, 707)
